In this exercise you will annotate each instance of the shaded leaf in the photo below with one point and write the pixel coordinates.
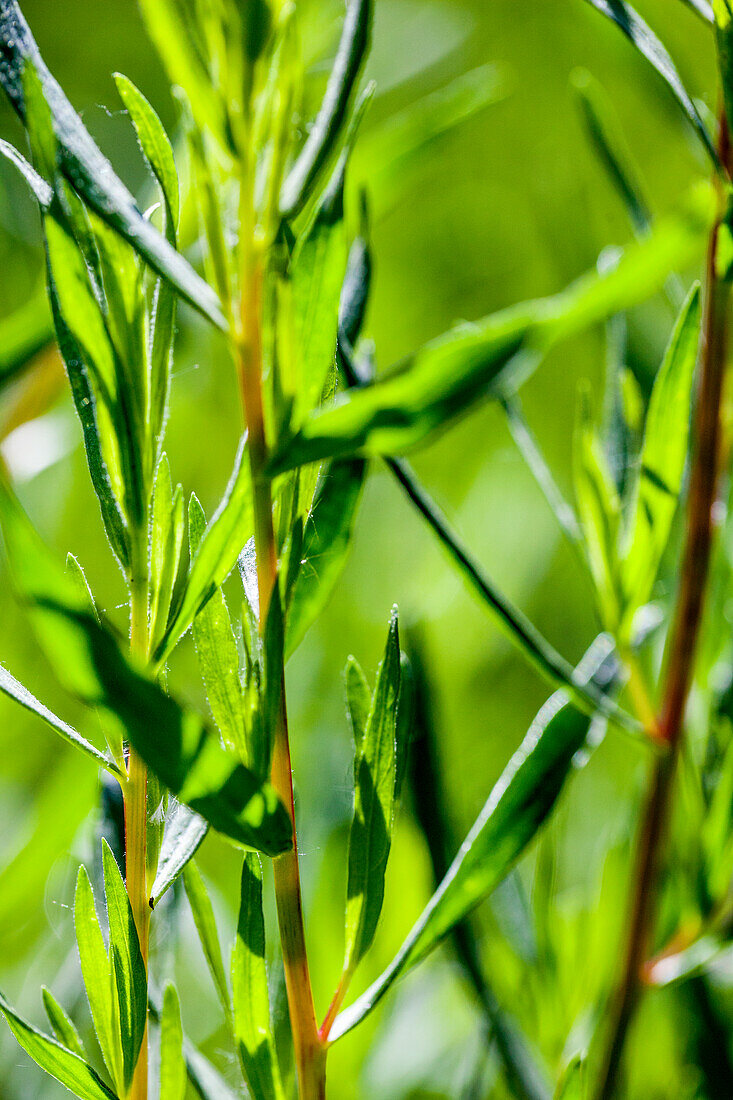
(203, 915)
(172, 1064)
(519, 803)
(183, 834)
(63, 1028)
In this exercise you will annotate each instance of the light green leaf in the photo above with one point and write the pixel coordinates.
(649, 46)
(329, 124)
(253, 1029)
(358, 702)
(63, 1028)
(659, 479)
(218, 550)
(13, 688)
(317, 275)
(166, 543)
(97, 972)
(90, 173)
(375, 776)
(216, 649)
(493, 356)
(207, 1081)
(203, 915)
(23, 334)
(172, 741)
(172, 1064)
(66, 1066)
(156, 148)
(572, 1084)
(184, 831)
(326, 541)
(520, 801)
(129, 968)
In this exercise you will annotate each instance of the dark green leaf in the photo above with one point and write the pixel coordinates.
(375, 778)
(129, 968)
(172, 1064)
(521, 800)
(10, 686)
(67, 1067)
(253, 1030)
(173, 742)
(89, 172)
(492, 356)
(63, 1028)
(647, 43)
(182, 837)
(329, 124)
(326, 541)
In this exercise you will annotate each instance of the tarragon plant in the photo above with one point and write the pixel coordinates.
(265, 204)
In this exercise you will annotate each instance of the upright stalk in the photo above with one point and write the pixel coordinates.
(704, 475)
(309, 1051)
(135, 794)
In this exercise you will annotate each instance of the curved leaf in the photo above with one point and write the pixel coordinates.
(182, 837)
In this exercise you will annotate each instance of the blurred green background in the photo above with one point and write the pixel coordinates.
(508, 205)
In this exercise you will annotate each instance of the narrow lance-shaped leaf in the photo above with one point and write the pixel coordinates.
(63, 1027)
(519, 803)
(129, 968)
(647, 43)
(662, 462)
(329, 123)
(66, 1066)
(23, 334)
(89, 172)
(216, 649)
(203, 915)
(173, 742)
(15, 690)
(218, 550)
(172, 1063)
(493, 356)
(253, 1031)
(375, 776)
(326, 540)
(97, 972)
(183, 834)
(206, 1080)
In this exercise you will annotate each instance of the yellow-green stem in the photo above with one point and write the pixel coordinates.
(136, 826)
(309, 1051)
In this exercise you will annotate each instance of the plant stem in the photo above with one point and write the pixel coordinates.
(704, 475)
(136, 823)
(309, 1051)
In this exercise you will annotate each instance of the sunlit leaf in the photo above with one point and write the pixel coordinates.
(253, 1030)
(183, 834)
(66, 1066)
(62, 1026)
(203, 915)
(172, 1064)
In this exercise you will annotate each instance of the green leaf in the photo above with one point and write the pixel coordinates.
(253, 1029)
(166, 543)
(97, 971)
(323, 137)
(62, 1026)
(516, 808)
(659, 479)
(326, 541)
(358, 702)
(216, 649)
(649, 46)
(207, 1081)
(23, 334)
(42, 190)
(172, 1064)
(156, 147)
(66, 1066)
(492, 356)
(317, 275)
(701, 8)
(218, 550)
(13, 688)
(599, 508)
(182, 837)
(203, 915)
(90, 173)
(129, 967)
(375, 777)
(572, 1084)
(172, 741)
